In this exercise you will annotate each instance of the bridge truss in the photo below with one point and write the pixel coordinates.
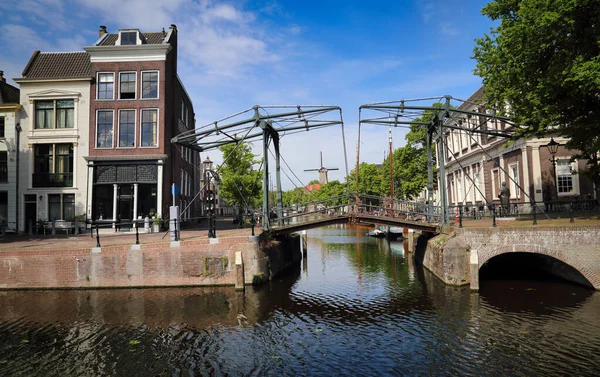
(447, 115)
(268, 124)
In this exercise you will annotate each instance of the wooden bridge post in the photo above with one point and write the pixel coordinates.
(304, 243)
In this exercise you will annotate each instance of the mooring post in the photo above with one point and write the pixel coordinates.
(534, 213)
(493, 215)
(460, 213)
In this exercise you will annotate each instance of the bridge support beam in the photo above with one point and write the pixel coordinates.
(474, 271)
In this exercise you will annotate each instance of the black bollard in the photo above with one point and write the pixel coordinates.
(493, 216)
(97, 237)
(534, 213)
(460, 213)
(137, 236)
(571, 204)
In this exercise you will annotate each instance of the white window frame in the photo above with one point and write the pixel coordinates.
(98, 86)
(574, 177)
(477, 174)
(157, 127)
(495, 172)
(514, 188)
(113, 129)
(135, 116)
(135, 90)
(157, 84)
(137, 37)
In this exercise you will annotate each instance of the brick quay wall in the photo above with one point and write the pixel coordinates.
(204, 262)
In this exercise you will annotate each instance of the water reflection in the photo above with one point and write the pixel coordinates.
(356, 306)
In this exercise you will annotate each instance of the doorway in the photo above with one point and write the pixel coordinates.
(125, 203)
(30, 213)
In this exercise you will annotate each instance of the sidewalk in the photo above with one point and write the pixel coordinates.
(11, 242)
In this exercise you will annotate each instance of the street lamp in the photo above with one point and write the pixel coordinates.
(553, 148)
(210, 207)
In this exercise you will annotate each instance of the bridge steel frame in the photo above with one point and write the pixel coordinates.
(403, 113)
(273, 122)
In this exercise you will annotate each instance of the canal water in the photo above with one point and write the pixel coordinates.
(355, 307)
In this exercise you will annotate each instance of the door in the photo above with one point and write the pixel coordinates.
(125, 203)
(30, 213)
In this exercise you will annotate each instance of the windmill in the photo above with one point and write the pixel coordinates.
(323, 180)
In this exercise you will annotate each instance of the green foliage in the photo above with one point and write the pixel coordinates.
(543, 60)
(409, 163)
(370, 180)
(409, 171)
(240, 183)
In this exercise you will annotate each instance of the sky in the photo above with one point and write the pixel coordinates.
(238, 54)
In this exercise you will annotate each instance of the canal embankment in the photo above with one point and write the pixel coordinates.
(236, 258)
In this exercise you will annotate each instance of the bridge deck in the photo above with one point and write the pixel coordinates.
(341, 219)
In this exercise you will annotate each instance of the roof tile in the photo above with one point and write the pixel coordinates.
(59, 65)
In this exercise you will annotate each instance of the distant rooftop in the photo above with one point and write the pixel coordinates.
(8, 93)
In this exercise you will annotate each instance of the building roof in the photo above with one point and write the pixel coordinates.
(57, 65)
(150, 38)
(473, 99)
(8, 93)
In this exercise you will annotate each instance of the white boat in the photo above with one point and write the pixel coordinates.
(376, 233)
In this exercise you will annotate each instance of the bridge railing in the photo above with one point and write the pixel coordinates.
(523, 210)
(389, 207)
(360, 204)
(302, 212)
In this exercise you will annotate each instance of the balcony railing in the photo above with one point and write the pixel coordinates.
(53, 180)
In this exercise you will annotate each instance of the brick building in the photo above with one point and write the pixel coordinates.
(137, 105)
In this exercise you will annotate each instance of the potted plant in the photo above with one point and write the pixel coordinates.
(156, 224)
(41, 226)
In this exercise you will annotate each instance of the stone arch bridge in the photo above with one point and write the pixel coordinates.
(457, 257)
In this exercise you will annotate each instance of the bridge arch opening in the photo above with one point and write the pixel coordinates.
(532, 267)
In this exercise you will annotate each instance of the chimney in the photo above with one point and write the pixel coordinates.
(2, 79)
(102, 31)
(173, 27)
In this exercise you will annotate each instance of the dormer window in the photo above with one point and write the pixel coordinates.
(128, 38)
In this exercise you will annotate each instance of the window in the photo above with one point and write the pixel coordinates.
(104, 130)
(128, 38)
(53, 165)
(61, 207)
(182, 116)
(149, 128)
(106, 85)
(127, 128)
(65, 111)
(478, 188)
(513, 171)
(4, 166)
(564, 177)
(2, 125)
(127, 85)
(149, 84)
(45, 114)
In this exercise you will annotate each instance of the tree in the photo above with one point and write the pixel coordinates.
(543, 60)
(409, 163)
(370, 180)
(409, 171)
(240, 183)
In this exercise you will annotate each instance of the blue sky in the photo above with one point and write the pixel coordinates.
(234, 55)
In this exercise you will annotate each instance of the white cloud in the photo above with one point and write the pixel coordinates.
(27, 40)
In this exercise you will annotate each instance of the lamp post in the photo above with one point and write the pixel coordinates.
(553, 148)
(210, 207)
